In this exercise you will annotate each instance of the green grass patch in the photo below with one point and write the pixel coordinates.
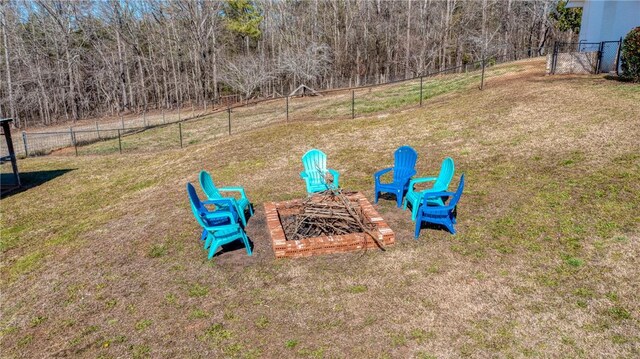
(157, 251)
(197, 290)
(26, 264)
(216, 333)
(356, 289)
(143, 324)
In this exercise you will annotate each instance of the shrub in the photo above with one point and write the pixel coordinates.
(631, 55)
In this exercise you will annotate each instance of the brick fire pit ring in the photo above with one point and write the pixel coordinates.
(324, 244)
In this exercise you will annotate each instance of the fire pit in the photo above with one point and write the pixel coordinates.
(326, 223)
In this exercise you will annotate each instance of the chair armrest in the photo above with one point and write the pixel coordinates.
(220, 215)
(336, 176)
(233, 189)
(304, 175)
(422, 180)
(415, 181)
(378, 174)
(220, 202)
(222, 228)
(436, 194)
(213, 215)
(439, 194)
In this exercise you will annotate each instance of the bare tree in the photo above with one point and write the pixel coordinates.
(68, 60)
(246, 74)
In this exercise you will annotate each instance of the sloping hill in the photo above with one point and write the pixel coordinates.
(336, 104)
(104, 260)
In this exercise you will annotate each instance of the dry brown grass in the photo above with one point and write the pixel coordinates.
(104, 260)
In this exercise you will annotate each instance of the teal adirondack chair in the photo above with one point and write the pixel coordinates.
(444, 215)
(213, 192)
(441, 184)
(315, 170)
(220, 226)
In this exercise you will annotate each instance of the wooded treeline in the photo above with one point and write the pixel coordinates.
(68, 60)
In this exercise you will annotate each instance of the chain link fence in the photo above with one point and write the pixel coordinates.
(584, 57)
(159, 131)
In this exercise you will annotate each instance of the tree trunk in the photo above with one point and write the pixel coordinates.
(12, 108)
(408, 42)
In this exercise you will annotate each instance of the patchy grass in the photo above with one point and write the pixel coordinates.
(337, 104)
(104, 259)
(197, 290)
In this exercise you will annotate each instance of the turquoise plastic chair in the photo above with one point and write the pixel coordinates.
(220, 226)
(441, 183)
(315, 170)
(212, 192)
(404, 167)
(444, 215)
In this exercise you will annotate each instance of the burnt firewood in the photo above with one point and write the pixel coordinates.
(328, 213)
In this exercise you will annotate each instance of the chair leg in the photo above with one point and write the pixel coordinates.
(250, 209)
(414, 210)
(213, 249)
(241, 215)
(417, 232)
(203, 236)
(399, 198)
(207, 242)
(245, 240)
(375, 196)
(450, 227)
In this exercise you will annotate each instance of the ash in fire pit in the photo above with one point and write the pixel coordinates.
(327, 213)
(329, 222)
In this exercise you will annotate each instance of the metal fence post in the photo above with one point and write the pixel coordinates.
(229, 117)
(122, 121)
(420, 91)
(75, 143)
(618, 57)
(144, 117)
(24, 141)
(98, 129)
(163, 119)
(119, 141)
(599, 60)
(180, 129)
(353, 104)
(179, 105)
(71, 135)
(554, 58)
(287, 98)
(482, 76)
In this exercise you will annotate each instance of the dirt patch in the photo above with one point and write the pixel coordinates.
(106, 261)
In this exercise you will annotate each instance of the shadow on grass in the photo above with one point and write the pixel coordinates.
(618, 78)
(388, 197)
(236, 245)
(29, 180)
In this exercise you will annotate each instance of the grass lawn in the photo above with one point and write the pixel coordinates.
(380, 100)
(103, 260)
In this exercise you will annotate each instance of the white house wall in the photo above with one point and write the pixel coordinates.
(608, 20)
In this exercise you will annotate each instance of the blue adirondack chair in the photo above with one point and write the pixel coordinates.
(441, 184)
(404, 168)
(444, 214)
(212, 192)
(315, 171)
(220, 226)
